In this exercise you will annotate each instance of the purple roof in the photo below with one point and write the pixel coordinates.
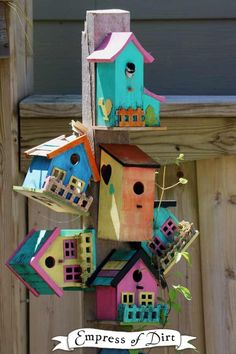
(113, 44)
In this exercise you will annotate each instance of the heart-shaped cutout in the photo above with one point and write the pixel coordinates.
(106, 173)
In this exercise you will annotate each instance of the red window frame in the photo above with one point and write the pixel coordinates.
(169, 228)
(73, 273)
(70, 249)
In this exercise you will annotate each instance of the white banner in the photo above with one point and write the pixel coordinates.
(90, 337)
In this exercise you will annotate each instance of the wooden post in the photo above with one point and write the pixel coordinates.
(16, 81)
(98, 24)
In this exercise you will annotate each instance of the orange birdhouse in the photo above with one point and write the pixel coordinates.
(126, 197)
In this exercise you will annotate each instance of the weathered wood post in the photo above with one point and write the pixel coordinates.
(98, 24)
(16, 82)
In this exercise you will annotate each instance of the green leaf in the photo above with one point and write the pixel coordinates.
(184, 291)
(183, 180)
(178, 256)
(187, 257)
(172, 295)
(176, 307)
(179, 159)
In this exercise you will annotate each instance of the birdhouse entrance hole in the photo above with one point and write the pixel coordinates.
(130, 70)
(50, 262)
(138, 188)
(137, 275)
(74, 159)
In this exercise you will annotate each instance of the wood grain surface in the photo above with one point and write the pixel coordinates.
(199, 127)
(13, 297)
(217, 222)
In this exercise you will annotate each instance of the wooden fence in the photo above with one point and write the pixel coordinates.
(204, 129)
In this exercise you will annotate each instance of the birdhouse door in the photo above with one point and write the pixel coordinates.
(138, 201)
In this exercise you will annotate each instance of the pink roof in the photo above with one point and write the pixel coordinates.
(41, 272)
(157, 97)
(113, 44)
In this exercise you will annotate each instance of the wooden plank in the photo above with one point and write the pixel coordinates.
(196, 138)
(193, 57)
(61, 106)
(13, 296)
(4, 41)
(190, 319)
(216, 185)
(51, 316)
(153, 9)
(45, 106)
(57, 57)
(213, 118)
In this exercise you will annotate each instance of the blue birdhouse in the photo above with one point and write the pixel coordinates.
(121, 99)
(59, 174)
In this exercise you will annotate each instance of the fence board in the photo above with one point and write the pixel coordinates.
(51, 316)
(13, 297)
(190, 319)
(150, 9)
(200, 131)
(193, 57)
(216, 186)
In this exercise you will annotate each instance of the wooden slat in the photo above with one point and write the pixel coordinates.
(51, 316)
(153, 9)
(192, 57)
(199, 127)
(45, 106)
(216, 186)
(4, 41)
(13, 296)
(190, 319)
(197, 138)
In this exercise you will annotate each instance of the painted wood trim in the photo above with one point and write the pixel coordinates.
(42, 273)
(113, 45)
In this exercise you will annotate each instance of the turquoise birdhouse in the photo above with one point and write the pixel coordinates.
(121, 99)
(170, 236)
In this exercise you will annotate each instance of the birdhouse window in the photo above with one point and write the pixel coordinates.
(127, 298)
(157, 246)
(169, 228)
(130, 70)
(72, 273)
(76, 183)
(74, 159)
(70, 249)
(58, 174)
(138, 188)
(146, 298)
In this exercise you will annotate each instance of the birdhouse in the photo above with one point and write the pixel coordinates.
(50, 261)
(59, 174)
(128, 282)
(121, 99)
(126, 196)
(169, 235)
